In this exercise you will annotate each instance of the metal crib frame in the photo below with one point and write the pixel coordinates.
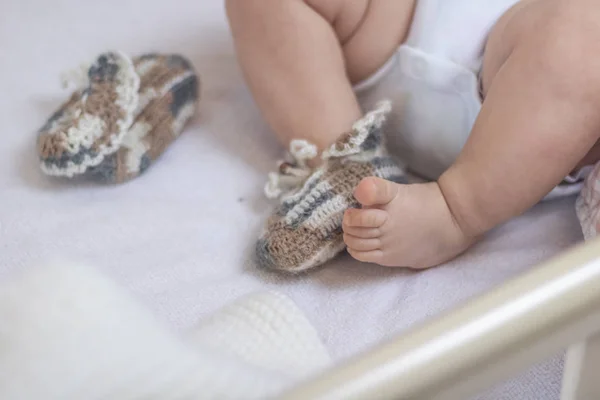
(554, 307)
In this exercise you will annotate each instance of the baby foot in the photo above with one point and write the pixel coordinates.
(402, 225)
(305, 231)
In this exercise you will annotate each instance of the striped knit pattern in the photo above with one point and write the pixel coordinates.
(122, 119)
(305, 231)
(587, 205)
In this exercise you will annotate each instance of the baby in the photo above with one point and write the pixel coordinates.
(495, 103)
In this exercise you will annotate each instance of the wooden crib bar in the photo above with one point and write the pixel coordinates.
(487, 340)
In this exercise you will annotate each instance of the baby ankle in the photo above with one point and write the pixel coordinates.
(463, 211)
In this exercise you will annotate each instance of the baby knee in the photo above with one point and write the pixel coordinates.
(328, 9)
(238, 10)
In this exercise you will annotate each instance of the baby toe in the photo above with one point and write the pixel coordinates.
(371, 218)
(365, 233)
(373, 191)
(360, 244)
(373, 256)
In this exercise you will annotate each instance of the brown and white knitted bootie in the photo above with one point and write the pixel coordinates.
(587, 205)
(306, 229)
(122, 117)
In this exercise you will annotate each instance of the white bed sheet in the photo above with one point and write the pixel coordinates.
(180, 238)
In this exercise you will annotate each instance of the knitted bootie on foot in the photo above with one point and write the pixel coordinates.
(587, 205)
(122, 117)
(306, 229)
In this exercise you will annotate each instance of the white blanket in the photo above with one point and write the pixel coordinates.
(180, 237)
(68, 333)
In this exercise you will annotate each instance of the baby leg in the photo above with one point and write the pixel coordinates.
(300, 57)
(540, 115)
(539, 120)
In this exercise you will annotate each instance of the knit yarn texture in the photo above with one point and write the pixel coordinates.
(121, 119)
(305, 231)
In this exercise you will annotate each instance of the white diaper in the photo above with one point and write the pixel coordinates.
(433, 83)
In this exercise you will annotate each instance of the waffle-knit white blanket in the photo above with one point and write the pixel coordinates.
(67, 332)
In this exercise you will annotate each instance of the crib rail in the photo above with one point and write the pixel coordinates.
(487, 340)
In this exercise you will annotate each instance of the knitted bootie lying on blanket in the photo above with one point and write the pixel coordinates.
(306, 229)
(122, 118)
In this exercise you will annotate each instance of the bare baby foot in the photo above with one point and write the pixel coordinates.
(402, 225)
